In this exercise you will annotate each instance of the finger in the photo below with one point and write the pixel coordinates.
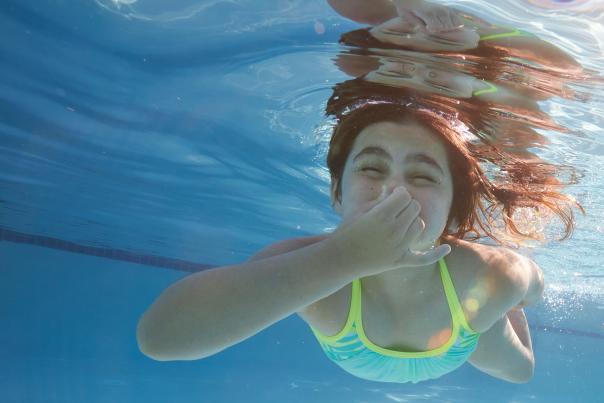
(412, 235)
(408, 212)
(413, 232)
(384, 193)
(456, 22)
(432, 21)
(411, 19)
(425, 20)
(394, 203)
(405, 224)
(443, 22)
(424, 258)
(417, 229)
(376, 205)
(451, 22)
(404, 24)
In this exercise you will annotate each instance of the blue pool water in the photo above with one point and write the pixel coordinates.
(143, 141)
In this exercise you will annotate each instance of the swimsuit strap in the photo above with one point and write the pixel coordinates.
(492, 89)
(452, 299)
(514, 32)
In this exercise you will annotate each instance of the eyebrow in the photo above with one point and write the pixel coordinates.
(416, 157)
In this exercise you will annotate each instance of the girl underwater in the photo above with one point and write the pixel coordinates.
(397, 293)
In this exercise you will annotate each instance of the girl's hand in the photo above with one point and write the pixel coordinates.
(409, 31)
(379, 239)
(435, 17)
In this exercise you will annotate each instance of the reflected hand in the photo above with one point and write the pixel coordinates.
(410, 32)
(436, 18)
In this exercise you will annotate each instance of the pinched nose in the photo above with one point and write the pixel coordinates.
(391, 186)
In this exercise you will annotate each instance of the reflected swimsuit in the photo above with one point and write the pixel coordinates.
(356, 354)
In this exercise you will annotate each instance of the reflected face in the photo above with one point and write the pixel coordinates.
(417, 75)
(386, 155)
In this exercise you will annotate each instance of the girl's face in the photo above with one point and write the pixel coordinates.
(386, 155)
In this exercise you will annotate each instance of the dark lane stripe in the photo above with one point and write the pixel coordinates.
(109, 253)
(560, 330)
(181, 265)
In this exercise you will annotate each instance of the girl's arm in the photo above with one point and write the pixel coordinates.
(209, 311)
(502, 354)
(505, 350)
(519, 323)
(436, 17)
(372, 12)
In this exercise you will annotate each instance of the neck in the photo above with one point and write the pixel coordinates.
(409, 278)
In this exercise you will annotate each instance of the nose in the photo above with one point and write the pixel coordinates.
(388, 188)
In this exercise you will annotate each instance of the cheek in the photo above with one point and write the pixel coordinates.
(360, 195)
(435, 208)
(363, 188)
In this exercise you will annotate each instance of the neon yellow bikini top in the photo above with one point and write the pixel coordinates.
(356, 354)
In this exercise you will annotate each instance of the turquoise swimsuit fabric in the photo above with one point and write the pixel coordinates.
(355, 353)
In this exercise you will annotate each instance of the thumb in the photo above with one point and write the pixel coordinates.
(424, 258)
(432, 20)
(383, 195)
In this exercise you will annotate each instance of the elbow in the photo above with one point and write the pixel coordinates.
(147, 344)
(516, 374)
(521, 379)
(365, 13)
(144, 345)
(522, 375)
(150, 345)
(159, 353)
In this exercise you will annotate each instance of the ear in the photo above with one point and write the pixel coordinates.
(337, 205)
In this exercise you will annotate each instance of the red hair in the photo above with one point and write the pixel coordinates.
(479, 203)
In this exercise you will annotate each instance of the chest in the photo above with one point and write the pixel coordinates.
(420, 319)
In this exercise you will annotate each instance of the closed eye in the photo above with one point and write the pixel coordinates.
(371, 169)
(424, 177)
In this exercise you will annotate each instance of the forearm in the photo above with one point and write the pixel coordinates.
(209, 311)
(371, 12)
(503, 355)
(519, 323)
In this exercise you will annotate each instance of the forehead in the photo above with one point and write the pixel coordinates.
(401, 138)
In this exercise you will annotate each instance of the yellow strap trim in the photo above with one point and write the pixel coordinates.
(454, 303)
(351, 315)
(355, 312)
(403, 354)
(492, 89)
(515, 32)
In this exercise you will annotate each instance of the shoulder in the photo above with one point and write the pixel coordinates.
(517, 279)
(504, 277)
(286, 245)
